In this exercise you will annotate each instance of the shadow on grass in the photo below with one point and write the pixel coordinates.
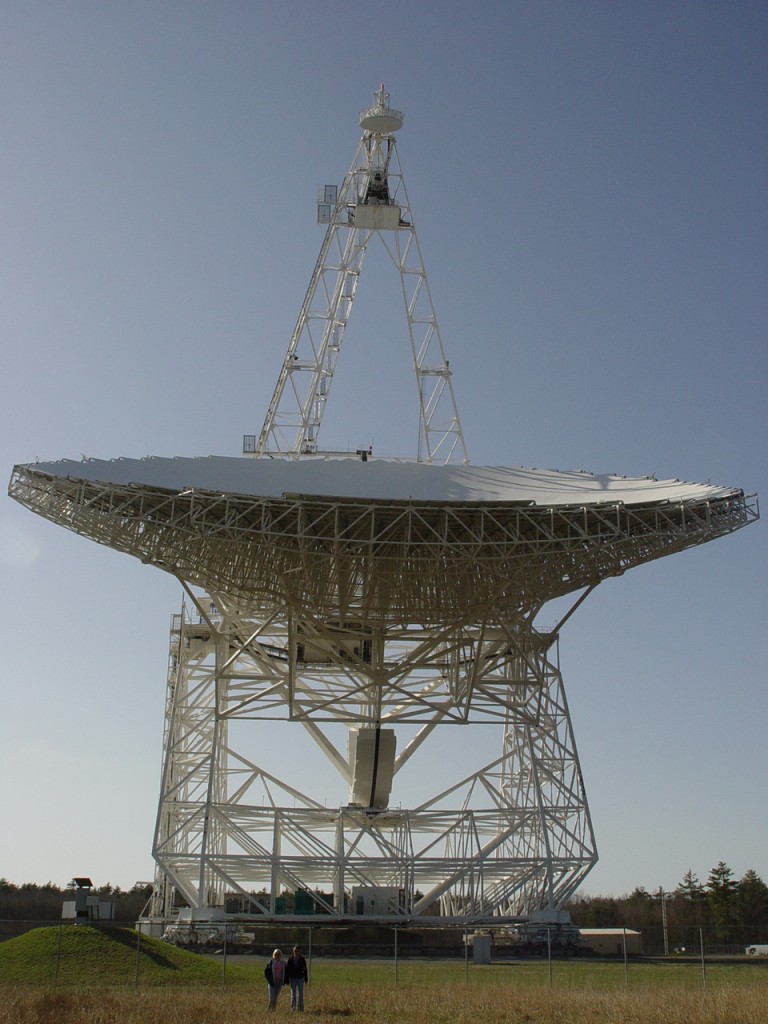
(128, 938)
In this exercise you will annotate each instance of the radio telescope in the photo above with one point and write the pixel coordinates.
(370, 601)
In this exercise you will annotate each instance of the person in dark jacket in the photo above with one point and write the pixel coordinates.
(274, 972)
(297, 977)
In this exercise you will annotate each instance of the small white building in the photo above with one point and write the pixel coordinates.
(611, 941)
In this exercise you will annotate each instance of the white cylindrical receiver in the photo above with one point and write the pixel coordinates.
(381, 119)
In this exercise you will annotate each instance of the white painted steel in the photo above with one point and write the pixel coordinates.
(372, 204)
(512, 834)
(385, 480)
(380, 118)
(406, 614)
(333, 559)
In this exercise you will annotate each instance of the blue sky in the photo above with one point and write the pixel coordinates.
(589, 185)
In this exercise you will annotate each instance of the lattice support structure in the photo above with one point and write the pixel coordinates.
(512, 836)
(194, 777)
(371, 205)
(379, 616)
(397, 562)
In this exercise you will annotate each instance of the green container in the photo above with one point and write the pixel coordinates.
(303, 902)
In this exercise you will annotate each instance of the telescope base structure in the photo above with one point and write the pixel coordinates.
(508, 838)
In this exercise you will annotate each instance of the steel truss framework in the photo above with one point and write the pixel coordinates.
(371, 204)
(511, 836)
(416, 615)
(397, 562)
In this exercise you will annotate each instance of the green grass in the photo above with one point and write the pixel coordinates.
(88, 956)
(91, 957)
(97, 983)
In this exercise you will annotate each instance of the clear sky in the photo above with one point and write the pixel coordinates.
(589, 185)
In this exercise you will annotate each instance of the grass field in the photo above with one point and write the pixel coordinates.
(98, 972)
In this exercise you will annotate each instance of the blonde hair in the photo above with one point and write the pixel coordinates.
(277, 952)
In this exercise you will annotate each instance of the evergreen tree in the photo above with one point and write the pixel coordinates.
(640, 895)
(722, 900)
(691, 909)
(691, 889)
(752, 901)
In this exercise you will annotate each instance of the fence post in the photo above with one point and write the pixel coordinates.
(703, 963)
(58, 957)
(138, 954)
(626, 968)
(395, 954)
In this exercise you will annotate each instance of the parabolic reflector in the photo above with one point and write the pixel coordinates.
(408, 541)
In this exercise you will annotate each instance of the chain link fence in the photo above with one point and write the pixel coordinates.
(134, 957)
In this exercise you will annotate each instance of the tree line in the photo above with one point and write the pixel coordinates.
(32, 902)
(725, 910)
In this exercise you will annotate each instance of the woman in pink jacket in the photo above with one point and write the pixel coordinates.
(274, 972)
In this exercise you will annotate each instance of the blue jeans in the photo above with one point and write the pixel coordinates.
(297, 994)
(274, 992)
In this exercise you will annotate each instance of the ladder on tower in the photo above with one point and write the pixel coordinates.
(371, 203)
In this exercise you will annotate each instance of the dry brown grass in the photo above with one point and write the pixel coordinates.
(448, 1004)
